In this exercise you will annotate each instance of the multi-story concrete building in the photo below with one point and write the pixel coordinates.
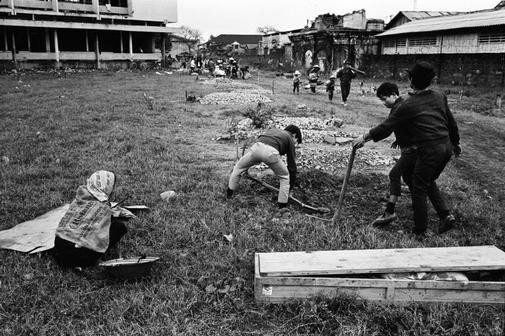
(91, 33)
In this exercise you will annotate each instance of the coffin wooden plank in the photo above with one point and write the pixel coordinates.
(435, 259)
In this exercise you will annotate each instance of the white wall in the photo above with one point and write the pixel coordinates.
(449, 44)
(156, 10)
(356, 20)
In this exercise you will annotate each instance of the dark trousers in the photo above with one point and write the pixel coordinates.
(67, 255)
(421, 176)
(296, 87)
(406, 161)
(345, 87)
(330, 95)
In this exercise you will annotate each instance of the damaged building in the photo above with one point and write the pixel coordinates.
(331, 39)
(83, 33)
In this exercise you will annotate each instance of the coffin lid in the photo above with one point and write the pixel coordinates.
(433, 259)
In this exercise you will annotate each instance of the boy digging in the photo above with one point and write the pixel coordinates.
(433, 134)
(388, 93)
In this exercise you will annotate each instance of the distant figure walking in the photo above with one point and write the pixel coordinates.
(330, 87)
(296, 82)
(346, 75)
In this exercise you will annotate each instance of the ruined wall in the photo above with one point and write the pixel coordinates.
(464, 69)
(356, 20)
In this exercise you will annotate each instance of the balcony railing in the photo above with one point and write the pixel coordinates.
(77, 6)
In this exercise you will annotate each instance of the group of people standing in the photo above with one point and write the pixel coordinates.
(346, 74)
(426, 133)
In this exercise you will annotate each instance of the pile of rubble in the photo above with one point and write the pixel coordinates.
(234, 98)
(318, 131)
(234, 92)
(337, 158)
(222, 83)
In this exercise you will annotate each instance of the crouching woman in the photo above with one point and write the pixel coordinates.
(88, 229)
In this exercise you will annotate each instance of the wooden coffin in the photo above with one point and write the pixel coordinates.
(283, 276)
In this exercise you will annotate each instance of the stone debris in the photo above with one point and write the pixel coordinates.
(312, 155)
(336, 159)
(330, 139)
(343, 140)
(232, 92)
(167, 195)
(308, 123)
(230, 84)
(233, 98)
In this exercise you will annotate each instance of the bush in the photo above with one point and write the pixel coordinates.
(261, 115)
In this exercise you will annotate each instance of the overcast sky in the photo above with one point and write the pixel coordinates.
(214, 17)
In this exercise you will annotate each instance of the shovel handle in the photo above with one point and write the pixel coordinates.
(268, 186)
(336, 216)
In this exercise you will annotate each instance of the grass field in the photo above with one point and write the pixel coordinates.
(58, 129)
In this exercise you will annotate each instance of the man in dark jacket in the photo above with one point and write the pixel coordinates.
(433, 133)
(346, 75)
(268, 149)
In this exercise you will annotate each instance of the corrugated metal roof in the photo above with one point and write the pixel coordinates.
(414, 15)
(230, 38)
(460, 21)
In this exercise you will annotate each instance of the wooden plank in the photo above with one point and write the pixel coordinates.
(436, 259)
(283, 293)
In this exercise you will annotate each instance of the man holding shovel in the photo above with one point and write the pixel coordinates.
(268, 149)
(433, 134)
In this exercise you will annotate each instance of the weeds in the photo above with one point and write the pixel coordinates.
(261, 115)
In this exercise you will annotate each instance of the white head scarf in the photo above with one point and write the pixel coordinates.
(100, 184)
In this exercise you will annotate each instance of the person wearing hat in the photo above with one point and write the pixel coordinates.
(330, 86)
(346, 75)
(432, 133)
(268, 149)
(313, 78)
(296, 82)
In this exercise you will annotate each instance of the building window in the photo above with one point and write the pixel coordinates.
(389, 43)
(401, 43)
(492, 38)
(422, 41)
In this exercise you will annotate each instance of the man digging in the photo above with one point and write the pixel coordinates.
(268, 149)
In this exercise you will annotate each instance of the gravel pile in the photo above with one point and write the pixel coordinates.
(327, 158)
(338, 158)
(305, 123)
(230, 84)
(233, 98)
(335, 159)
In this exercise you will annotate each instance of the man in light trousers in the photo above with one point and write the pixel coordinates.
(268, 149)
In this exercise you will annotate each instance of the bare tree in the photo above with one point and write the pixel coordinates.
(267, 29)
(192, 36)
